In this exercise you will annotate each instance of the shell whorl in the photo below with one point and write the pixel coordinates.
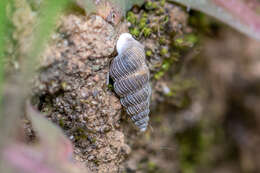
(131, 79)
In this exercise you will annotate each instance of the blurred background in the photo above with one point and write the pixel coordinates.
(59, 114)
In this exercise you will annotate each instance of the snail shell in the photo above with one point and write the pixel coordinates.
(131, 79)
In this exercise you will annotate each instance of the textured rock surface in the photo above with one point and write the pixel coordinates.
(73, 91)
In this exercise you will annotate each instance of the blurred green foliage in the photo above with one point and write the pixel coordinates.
(47, 14)
(44, 24)
(191, 148)
(198, 144)
(3, 30)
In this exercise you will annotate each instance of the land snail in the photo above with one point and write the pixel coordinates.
(131, 79)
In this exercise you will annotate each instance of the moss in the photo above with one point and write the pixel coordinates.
(175, 56)
(157, 119)
(162, 2)
(166, 65)
(196, 143)
(151, 166)
(80, 134)
(144, 18)
(148, 166)
(158, 75)
(64, 85)
(61, 123)
(191, 38)
(93, 140)
(147, 32)
(178, 41)
(110, 87)
(164, 68)
(149, 53)
(165, 19)
(142, 25)
(181, 85)
(154, 28)
(150, 5)
(131, 17)
(162, 40)
(165, 44)
(146, 22)
(163, 51)
(144, 15)
(169, 94)
(160, 11)
(190, 149)
(203, 23)
(186, 41)
(135, 31)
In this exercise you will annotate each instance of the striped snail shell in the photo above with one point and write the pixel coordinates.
(131, 79)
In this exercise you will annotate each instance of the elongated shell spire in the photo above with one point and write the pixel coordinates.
(131, 79)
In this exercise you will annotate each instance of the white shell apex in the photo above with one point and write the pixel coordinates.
(122, 41)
